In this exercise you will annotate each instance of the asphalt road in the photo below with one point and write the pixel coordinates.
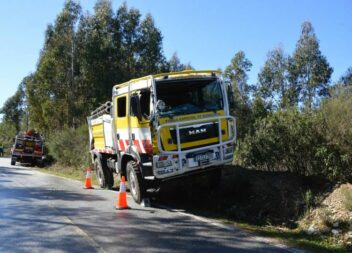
(45, 213)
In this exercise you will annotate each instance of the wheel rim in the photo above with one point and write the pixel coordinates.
(100, 178)
(133, 183)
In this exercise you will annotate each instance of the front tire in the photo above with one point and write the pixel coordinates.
(135, 182)
(104, 176)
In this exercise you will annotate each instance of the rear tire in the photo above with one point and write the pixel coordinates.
(13, 160)
(135, 182)
(40, 163)
(104, 176)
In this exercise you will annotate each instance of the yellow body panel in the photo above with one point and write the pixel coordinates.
(98, 136)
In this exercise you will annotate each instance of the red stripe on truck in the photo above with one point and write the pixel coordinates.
(122, 145)
(148, 147)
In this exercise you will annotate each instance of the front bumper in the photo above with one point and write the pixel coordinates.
(168, 166)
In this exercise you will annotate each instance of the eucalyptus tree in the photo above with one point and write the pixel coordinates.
(236, 72)
(175, 65)
(151, 58)
(309, 69)
(128, 21)
(52, 88)
(346, 79)
(99, 53)
(273, 82)
(13, 110)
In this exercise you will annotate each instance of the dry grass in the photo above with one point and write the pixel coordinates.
(346, 194)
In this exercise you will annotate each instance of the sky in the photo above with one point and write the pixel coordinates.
(204, 33)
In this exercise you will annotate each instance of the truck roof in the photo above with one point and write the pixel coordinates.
(181, 74)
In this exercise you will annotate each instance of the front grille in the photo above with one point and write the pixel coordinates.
(196, 133)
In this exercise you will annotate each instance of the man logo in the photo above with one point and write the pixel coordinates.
(197, 131)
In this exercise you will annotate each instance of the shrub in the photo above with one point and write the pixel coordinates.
(336, 126)
(325, 216)
(297, 142)
(70, 147)
(308, 199)
(7, 133)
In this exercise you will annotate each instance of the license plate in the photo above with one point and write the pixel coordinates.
(201, 157)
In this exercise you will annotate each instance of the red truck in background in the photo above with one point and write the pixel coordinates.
(28, 147)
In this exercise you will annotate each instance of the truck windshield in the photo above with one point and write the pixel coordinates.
(190, 96)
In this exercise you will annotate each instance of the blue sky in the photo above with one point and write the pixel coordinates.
(206, 33)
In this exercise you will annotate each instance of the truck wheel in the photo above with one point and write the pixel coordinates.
(104, 176)
(135, 182)
(13, 160)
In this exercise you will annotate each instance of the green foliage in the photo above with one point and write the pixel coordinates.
(273, 81)
(51, 90)
(236, 72)
(13, 108)
(7, 133)
(175, 65)
(278, 135)
(84, 56)
(308, 199)
(69, 147)
(151, 58)
(294, 141)
(336, 126)
(346, 79)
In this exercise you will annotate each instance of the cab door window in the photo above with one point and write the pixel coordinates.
(121, 107)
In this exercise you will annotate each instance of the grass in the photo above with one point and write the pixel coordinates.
(347, 198)
(71, 173)
(296, 237)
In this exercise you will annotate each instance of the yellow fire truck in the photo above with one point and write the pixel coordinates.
(161, 127)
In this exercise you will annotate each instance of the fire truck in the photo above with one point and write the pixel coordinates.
(27, 148)
(162, 127)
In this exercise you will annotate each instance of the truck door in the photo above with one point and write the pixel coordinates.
(121, 121)
(140, 124)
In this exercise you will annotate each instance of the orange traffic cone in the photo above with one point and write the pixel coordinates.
(88, 183)
(122, 196)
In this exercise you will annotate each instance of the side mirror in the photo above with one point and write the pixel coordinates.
(160, 105)
(13, 140)
(136, 107)
(230, 95)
